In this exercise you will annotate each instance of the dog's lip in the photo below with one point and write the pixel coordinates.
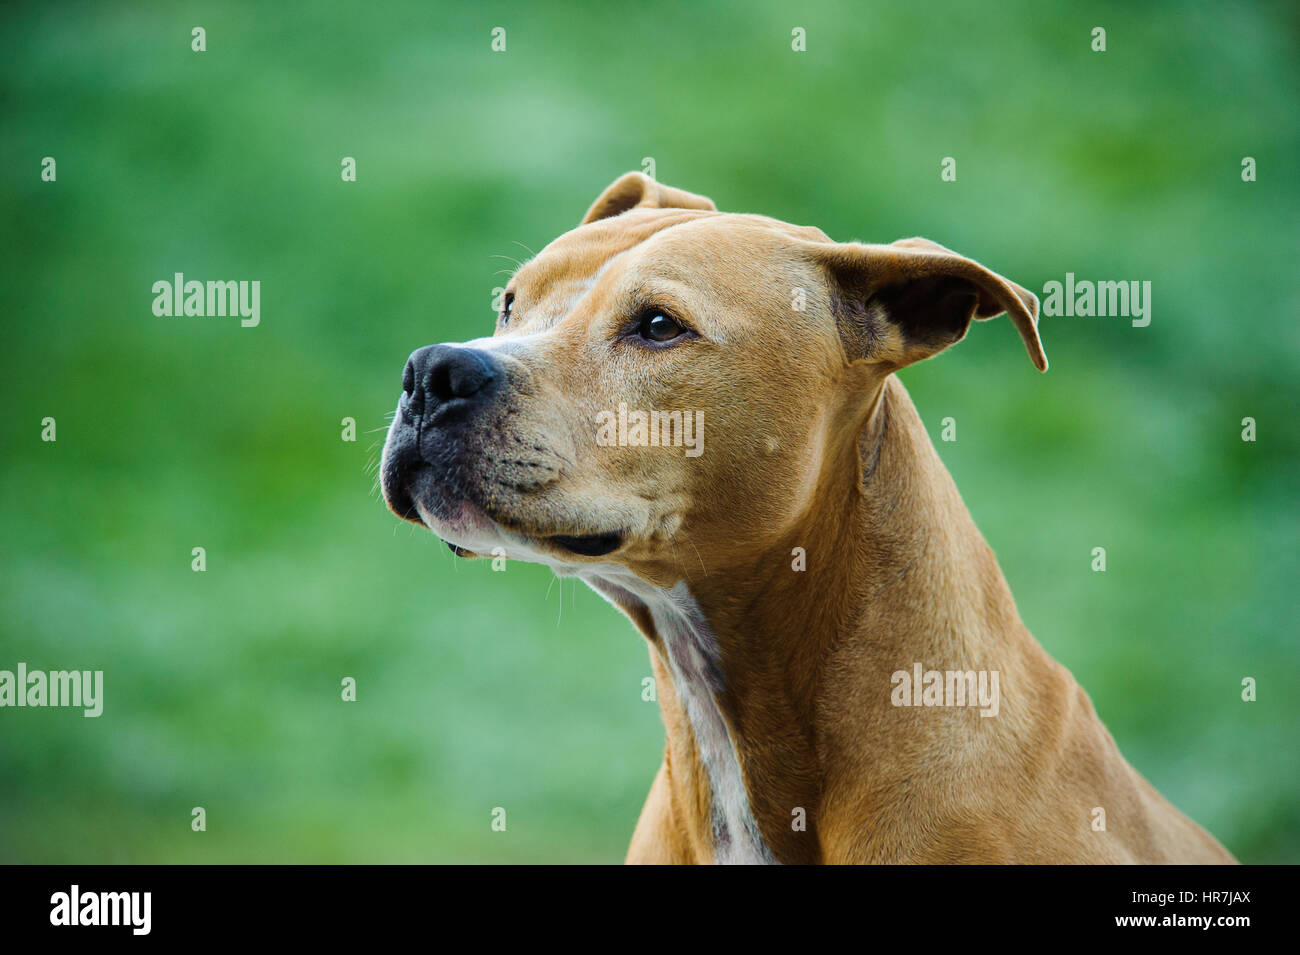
(588, 545)
(469, 513)
(583, 545)
(401, 503)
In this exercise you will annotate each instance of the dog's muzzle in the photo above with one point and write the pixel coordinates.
(444, 389)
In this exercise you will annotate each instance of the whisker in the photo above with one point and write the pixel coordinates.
(508, 258)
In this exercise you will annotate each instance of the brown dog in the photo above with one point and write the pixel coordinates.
(831, 636)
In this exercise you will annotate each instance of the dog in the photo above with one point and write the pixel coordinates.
(809, 579)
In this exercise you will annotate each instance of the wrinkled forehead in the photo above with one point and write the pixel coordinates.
(573, 262)
(671, 247)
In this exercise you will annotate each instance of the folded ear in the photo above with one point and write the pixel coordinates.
(906, 301)
(636, 190)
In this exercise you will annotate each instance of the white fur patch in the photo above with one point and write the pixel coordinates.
(697, 678)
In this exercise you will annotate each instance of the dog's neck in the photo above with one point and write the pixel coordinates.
(780, 677)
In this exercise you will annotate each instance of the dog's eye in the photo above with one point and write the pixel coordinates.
(506, 304)
(658, 327)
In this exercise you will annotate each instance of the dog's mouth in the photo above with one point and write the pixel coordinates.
(588, 545)
(452, 512)
(584, 545)
(468, 519)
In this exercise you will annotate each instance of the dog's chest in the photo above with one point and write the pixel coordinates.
(693, 662)
(697, 678)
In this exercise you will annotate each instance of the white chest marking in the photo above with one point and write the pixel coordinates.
(697, 678)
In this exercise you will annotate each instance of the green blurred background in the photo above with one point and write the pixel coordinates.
(479, 689)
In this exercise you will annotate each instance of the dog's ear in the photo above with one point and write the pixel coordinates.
(906, 301)
(636, 190)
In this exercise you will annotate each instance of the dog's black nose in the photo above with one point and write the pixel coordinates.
(440, 375)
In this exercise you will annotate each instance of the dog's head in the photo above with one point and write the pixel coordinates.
(667, 381)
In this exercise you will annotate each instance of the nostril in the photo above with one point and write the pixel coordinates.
(440, 381)
(408, 378)
(459, 373)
